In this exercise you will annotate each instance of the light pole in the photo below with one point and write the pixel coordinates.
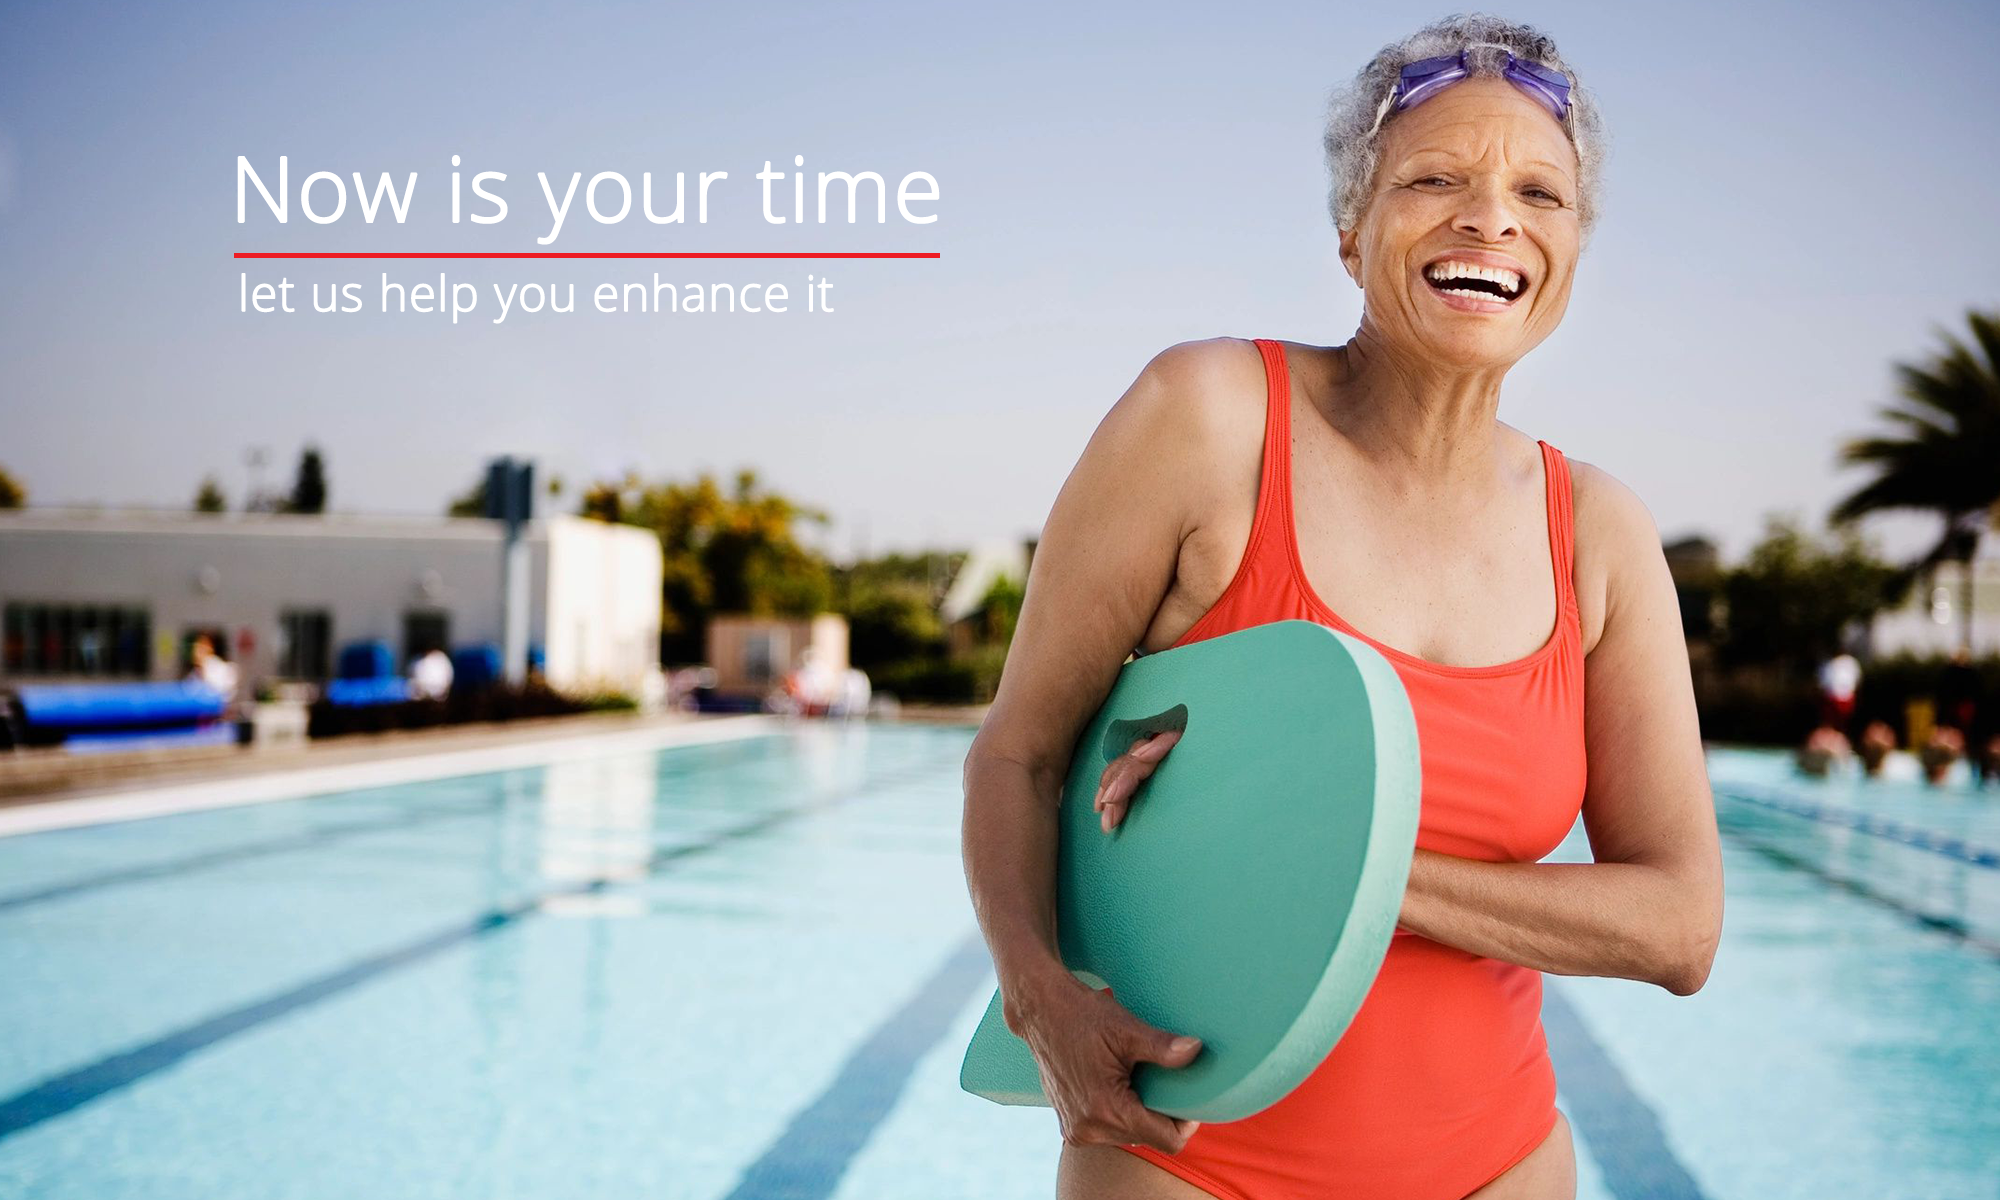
(255, 457)
(510, 499)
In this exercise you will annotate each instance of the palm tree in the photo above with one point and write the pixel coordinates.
(1944, 457)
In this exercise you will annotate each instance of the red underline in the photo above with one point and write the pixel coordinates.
(590, 254)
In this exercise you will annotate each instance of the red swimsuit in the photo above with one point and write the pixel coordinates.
(1443, 1081)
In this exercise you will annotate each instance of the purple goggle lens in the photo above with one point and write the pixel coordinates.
(1421, 80)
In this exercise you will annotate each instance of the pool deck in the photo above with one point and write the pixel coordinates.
(30, 776)
(39, 776)
(139, 790)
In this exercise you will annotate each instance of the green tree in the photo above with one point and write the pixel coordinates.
(309, 486)
(895, 632)
(608, 500)
(891, 605)
(891, 622)
(209, 499)
(12, 494)
(726, 551)
(928, 574)
(1788, 601)
(1944, 455)
(1000, 609)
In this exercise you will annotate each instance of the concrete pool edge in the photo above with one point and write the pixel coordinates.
(168, 799)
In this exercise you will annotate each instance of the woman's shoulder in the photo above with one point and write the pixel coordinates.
(1605, 505)
(1617, 542)
(1193, 399)
(1209, 377)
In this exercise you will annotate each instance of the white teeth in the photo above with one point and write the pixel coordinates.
(1510, 280)
(1469, 294)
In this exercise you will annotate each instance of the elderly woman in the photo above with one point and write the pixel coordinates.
(1523, 600)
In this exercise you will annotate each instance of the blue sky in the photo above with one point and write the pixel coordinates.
(1796, 197)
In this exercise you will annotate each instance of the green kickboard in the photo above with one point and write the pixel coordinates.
(1249, 894)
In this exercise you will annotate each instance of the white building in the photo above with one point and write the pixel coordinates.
(1931, 620)
(111, 595)
(985, 565)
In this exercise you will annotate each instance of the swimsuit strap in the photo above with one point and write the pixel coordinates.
(1562, 526)
(1274, 522)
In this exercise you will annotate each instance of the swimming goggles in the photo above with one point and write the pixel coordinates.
(1423, 79)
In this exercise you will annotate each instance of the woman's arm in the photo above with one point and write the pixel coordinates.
(1106, 557)
(1650, 906)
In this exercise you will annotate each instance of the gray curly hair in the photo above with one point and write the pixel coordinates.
(1352, 151)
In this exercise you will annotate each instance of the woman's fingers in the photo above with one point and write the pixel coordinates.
(1136, 764)
(1121, 779)
(1085, 1048)
(1168, 1135)
(1153, 749)
(1117, 783)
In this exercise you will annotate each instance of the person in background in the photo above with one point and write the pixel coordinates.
(1839, 677)
(855, 692)
(685, 686)
(1946, 747)
(209, 667)
(431, 675)
(811, 689)
(1826, 748)
(1987, 762)
(1878, 742)
(1962, 709)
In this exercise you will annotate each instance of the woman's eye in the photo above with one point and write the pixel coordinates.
(1542, 192)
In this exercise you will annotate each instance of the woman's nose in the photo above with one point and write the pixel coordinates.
(1487, 215)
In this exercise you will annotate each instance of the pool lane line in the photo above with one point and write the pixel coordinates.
(299, 842)
(72, 1090)
(1620, 1130)
(808, 1160)
(1886, 828)
(173, 799)
(1951, 927)
(66, 1093)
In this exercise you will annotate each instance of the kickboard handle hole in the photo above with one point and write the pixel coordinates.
(1122, 734)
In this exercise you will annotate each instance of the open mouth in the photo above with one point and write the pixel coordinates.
(1474, 282)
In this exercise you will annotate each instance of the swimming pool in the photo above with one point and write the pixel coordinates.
(748, 970)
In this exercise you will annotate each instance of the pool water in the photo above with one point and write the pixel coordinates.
(749, 969)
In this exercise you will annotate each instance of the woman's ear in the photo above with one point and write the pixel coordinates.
(1350, 255)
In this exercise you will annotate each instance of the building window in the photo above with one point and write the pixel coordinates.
(76, 639)
(425, 630)
(305, 651)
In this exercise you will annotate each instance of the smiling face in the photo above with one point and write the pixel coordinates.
(1483, 177)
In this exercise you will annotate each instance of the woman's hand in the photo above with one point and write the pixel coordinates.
(1122, 777)
(1085, 1045)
